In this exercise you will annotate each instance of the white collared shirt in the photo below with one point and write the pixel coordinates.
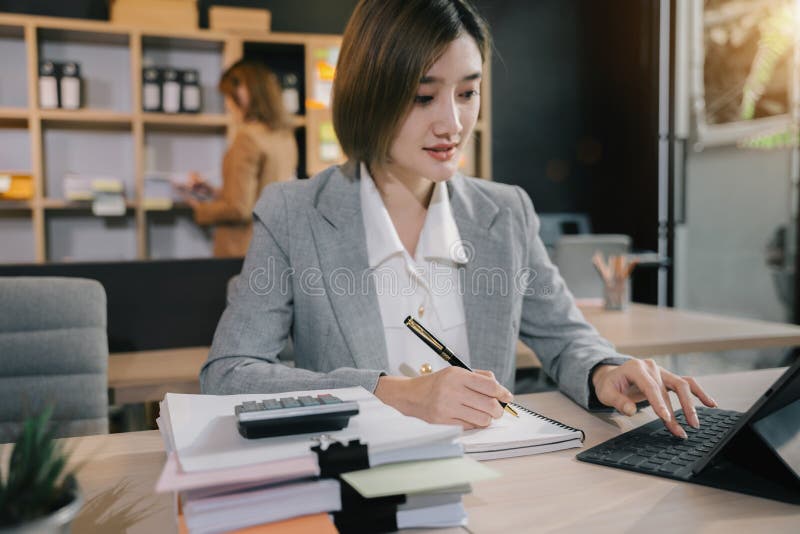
(425, 287)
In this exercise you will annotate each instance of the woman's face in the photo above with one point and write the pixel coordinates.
(432, 136)
(233, 108)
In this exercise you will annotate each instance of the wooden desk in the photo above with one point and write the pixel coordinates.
(546, 493)
(642, 330)
(146, 376)
(645, 330)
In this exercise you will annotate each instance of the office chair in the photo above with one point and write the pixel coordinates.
(53, 351)
(573, 257)
(554, 225)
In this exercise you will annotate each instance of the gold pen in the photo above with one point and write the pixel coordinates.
(446, 354)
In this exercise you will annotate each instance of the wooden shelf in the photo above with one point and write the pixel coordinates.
(102, 36)
(176, 206)
(13, 117)
(196, 40)
(87, 118)
(166, 121)
(126, 143)
(16, 205)
(13, 113)
(58, 204)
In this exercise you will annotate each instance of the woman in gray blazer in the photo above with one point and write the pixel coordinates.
(327, 254)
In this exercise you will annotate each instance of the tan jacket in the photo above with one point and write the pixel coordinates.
(258, 156)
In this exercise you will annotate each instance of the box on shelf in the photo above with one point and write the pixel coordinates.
(237, 19)
(167, 14)
(108, 204)
(16, 186)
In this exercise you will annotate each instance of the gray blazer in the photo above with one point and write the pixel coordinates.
(307, 274)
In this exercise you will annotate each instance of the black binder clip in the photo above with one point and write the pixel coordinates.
(335, 457)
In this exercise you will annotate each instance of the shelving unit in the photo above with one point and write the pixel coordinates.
(111, 135)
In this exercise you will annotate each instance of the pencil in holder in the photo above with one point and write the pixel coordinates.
(616, 273)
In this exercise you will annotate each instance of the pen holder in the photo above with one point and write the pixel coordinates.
(615, 294)
(616, 277)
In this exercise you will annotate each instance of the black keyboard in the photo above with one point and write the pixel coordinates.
(652, 449)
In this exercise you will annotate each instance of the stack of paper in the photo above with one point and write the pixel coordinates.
(77, 187)
(106, 193)
(416, 477)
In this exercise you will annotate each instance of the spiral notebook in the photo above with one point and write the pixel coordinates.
(530, 433)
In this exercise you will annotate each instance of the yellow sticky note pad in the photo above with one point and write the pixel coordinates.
(416, 477)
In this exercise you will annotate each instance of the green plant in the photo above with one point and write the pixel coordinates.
(37, 483)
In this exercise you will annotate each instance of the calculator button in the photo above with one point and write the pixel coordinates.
(272, 404)
(309, 401)
(289, 402)
(329, 399)
(250, 406)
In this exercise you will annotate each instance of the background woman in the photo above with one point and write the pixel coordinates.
(264, 151)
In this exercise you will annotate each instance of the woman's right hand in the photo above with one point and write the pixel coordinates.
(451, 396)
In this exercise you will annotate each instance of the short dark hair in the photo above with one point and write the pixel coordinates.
(388, 46)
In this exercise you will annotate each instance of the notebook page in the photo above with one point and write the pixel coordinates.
(509, 431)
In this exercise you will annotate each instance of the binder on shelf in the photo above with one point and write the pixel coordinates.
(48, 85)
(151, 89)
(329, 151)
(16, 186)
(70, 85)
(190, 91)
(170, 91)
(322, 74)
(290, 91)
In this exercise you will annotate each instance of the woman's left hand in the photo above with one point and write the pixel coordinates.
(622, 386)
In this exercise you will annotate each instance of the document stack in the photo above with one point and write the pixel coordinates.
(106, 193)
(382, 472)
